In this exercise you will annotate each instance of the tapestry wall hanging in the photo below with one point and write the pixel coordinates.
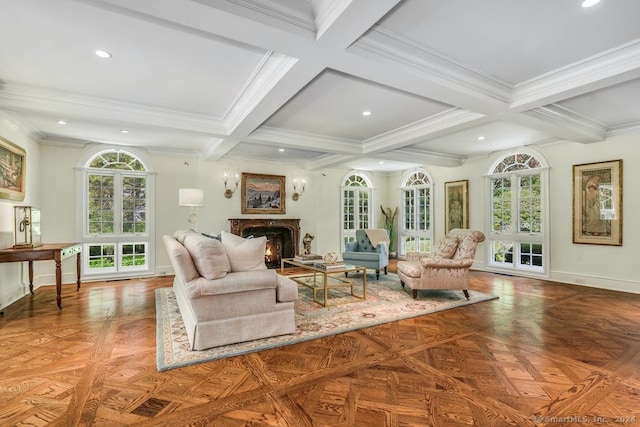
(597, 203)
(456, 205)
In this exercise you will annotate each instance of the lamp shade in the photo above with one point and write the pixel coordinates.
(191, 197)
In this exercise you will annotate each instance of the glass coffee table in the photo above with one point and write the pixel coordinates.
(320, 279)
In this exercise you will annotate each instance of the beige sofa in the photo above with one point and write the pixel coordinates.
(225, 292)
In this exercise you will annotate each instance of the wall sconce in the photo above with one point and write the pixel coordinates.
(226, 175)
(300, 183)
(191, 197)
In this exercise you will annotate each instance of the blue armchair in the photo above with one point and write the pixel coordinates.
(370, 250)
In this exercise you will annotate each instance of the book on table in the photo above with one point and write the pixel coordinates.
(325, 266)
(307, 258)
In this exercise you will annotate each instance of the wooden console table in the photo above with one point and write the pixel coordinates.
(51, 251)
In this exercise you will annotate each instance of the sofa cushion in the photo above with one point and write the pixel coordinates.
(466, 247)
(287, 289)
(446, 247)
(181, 260)
(209, 256)
(245, 254)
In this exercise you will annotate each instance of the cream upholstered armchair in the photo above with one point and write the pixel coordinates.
(445, 267)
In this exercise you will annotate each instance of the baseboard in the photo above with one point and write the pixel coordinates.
(622, 285)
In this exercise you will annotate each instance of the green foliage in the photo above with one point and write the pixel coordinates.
(390, 224)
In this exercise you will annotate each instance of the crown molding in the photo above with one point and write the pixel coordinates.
(590, 130)
(58, 103)
(325, 17)
(65, 142)
(604, 69)
(412, 133)
(305, 141)
(272, 9)
(433, 65)
(625, 129)
(423, 157)
(23, 125)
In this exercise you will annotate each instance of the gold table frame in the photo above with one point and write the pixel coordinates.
(326, 276)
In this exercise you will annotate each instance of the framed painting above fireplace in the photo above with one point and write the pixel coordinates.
(263, 194)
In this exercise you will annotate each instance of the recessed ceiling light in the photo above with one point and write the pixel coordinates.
(480, 138)
(281, 150)
(103, 54)
(589, 3)
(381, 163)
(124, 131)
(62, 122)
(366, 113)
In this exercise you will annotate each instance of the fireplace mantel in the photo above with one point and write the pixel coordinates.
(245, 226)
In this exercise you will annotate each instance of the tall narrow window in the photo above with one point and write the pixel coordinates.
(415, 225)
(357, 193)
(115, 230)
(518, 237)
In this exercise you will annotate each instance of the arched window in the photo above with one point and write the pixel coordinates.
(415, 223)
(517, 234)
(357, 192)
(117, 226)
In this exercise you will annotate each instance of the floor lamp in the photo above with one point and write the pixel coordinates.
(191, 197)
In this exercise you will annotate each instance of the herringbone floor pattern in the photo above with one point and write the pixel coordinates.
(543, 354)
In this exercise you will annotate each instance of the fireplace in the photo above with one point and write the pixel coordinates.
(283, 235)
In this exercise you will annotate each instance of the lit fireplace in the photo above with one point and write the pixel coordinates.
(282, 236)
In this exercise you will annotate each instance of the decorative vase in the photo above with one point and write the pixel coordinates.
(330, 258)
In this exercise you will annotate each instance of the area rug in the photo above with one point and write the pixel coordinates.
(386, 302)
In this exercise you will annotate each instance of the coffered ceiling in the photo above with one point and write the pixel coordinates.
(244, 79)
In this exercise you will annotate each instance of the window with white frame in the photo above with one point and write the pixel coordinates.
(415, 233)
(357, 193)
(518, 239)
(116, 209)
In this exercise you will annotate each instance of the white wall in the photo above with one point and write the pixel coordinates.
(610, 267)
(318, 208)
(14, 279)
(51, 186)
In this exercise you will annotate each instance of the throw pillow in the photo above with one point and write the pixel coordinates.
(180, 235)
(446, 247)
(245, 254)
(209, 256)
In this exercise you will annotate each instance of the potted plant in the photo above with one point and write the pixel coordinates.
(390, 226)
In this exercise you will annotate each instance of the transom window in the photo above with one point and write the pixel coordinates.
(415, 225)
(357, 192)
(519, 213)
(115, 229)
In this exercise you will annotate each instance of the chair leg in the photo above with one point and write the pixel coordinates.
(385, 270)
(402, 283)
(346, 274)
(377, 273)
(466, 293)
(414, 292)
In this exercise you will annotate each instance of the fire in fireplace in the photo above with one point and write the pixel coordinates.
(282, 236)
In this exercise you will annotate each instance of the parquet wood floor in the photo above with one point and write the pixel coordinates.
(543, 354)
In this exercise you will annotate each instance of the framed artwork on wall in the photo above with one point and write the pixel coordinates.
(456, 205)
(597, 203)
(263, 194)
(13, 163)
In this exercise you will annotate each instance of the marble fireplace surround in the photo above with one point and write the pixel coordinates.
(283, 235)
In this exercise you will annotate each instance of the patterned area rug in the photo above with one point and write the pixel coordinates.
(386, 302)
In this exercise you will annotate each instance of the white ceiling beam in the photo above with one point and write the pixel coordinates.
(339, 23)
(603, 70)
